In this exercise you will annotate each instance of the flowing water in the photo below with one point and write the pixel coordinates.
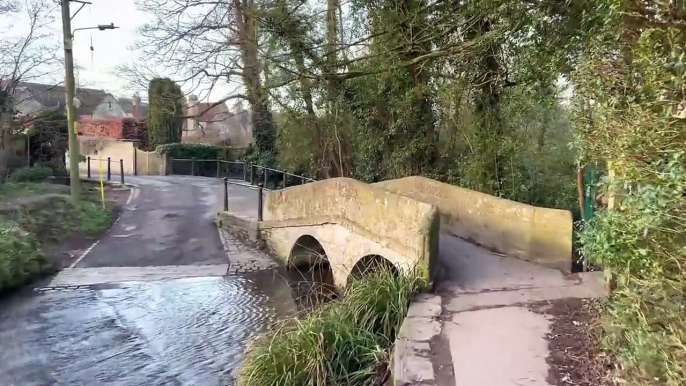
(175, 332)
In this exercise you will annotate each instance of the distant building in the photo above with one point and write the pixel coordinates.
(95, 104)
(133, 107)
(216, 124)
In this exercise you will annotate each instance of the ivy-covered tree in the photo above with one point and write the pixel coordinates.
(165, 113)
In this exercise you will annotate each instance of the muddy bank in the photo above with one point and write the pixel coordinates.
(575, 355)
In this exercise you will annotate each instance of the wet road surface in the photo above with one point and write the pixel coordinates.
(188, 331)
(169, 221)
(150, 304)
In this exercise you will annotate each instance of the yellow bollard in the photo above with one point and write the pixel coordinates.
(102, 184)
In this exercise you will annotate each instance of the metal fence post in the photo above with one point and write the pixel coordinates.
(245, 171)
(226, 194)
(109, 168)
(193, 166)
(89, 166)
(252, 174)
(259, 203)
(121, 170)
(217, 168)
(285, 179)
(266, 177)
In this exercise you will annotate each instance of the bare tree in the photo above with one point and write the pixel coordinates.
(26, 53)
(208, 43)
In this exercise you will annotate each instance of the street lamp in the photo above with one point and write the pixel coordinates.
(68, 34)
(100, 27)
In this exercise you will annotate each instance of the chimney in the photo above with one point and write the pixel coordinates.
(136, 106)
(193, 110)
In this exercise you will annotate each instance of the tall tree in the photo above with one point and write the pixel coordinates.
(26, 55)
(209, 43)
(164, 115)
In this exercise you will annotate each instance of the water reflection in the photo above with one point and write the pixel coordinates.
(175, 332)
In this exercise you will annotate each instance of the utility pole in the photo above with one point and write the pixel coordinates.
(74, 153)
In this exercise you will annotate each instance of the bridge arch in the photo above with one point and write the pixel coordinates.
(314, 279)
(369, 264)
(307, 251)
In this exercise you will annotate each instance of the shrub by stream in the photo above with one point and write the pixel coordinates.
(344, 342)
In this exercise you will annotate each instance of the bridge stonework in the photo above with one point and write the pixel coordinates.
(345, 221)
(351, 220)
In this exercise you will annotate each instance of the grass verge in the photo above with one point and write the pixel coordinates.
(344, 342)
(40, 217)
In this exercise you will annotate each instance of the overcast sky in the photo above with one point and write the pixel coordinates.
(110, 47)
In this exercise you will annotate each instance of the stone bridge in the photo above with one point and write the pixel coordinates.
(351, 224)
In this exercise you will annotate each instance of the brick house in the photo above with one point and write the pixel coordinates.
(216, 125)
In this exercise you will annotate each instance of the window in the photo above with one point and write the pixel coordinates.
(109, 105)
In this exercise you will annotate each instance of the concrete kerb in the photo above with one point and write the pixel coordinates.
(111, 183)
(411, 361)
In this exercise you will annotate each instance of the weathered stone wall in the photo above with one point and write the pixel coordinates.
(539, 235)
(358, 215)
(101, 148)
(148, 162)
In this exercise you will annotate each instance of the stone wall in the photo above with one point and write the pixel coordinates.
(101, 148)
(148, 162)
(539, 235)
(400, 224)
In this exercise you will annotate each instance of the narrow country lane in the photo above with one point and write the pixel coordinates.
(169, 221)
(150, 304)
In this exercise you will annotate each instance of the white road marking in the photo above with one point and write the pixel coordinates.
(134, 193)
(87, 251)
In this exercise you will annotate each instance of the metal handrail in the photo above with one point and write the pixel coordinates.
(103, 159)
(284, 172)
(246, 165)
(206, 160)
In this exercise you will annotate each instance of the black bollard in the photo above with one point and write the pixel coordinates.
(226, 194)
(259, 203)
(109, 168)
(121, 170)
(88, 159)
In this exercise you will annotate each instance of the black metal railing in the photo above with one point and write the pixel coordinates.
(260, 196)
(269, 178)
(108, 166)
